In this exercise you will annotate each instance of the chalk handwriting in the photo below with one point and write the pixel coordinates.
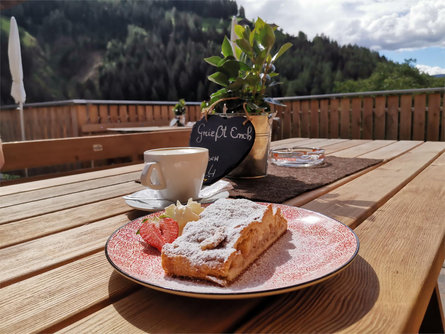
(221, 133)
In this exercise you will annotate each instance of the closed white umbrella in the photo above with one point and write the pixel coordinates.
(15, 66)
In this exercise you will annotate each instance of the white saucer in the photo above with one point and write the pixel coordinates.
(152, 205)
(151, 200)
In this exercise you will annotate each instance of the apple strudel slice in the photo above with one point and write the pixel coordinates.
(229, 236)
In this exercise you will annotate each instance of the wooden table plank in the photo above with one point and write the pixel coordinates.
(29, 258)
(375, 294)
(48, 205)
(300, 142)
(393, 150)
(321, 143)
(313, 194)
(47, 183)
(356, 200)
(287, 142)
(356, 151)
(51, 297)
(149, 311)
(331, 149)
(61, 220)
(61, 190)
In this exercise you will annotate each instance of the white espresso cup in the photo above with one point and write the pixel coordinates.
(177, 172)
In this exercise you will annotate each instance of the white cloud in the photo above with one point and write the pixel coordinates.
(376, 24)
(431, 70)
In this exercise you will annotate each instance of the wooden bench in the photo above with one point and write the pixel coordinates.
(85, 153)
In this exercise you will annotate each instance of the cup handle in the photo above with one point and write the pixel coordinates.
(146, 176)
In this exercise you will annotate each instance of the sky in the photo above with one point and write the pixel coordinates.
(397, 29)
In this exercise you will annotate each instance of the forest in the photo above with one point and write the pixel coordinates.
(154, 50)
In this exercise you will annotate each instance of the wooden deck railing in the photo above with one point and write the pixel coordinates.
(416, 114)
(77, 118)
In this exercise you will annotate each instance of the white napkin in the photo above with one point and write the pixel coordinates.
(205, 193)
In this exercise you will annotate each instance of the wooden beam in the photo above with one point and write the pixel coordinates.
(40, 153)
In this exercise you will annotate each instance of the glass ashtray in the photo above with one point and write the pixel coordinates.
(297, 156)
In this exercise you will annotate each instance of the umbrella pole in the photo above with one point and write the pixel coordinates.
(22, 129)
(22, 122)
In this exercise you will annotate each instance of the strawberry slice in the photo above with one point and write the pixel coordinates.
(151, 235)
(157, 233)
(169, 229)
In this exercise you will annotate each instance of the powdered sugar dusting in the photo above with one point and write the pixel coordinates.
(313, 247)
(220, 223)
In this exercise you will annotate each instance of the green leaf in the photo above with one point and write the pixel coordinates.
(238, 52)
(226, 47)
(244, 67)
(230, 68)
(267, 36)
(219, 78)
(237, 84)
(239, 30)
(219, 94)
(251, 37)
(214, 60)
(258, 47)
(260, 60)
(244, 46)
(259, 24)
(282, 50)
(253, 79)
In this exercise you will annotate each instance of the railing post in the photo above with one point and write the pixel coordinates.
(379, 117)
(405, 125)
(286, 112)
(74, 120)
(432, 130)
(324, 118)
(82, 117)
(368, 120)
(334, 119)
(419, 117)
(314, 119)
(305, 119)
(345, 119)
(392, 117)
(296, 123)
(356, 117)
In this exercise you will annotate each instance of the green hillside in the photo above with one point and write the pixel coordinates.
(154, 50)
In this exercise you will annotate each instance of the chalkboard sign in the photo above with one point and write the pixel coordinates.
(228, 139)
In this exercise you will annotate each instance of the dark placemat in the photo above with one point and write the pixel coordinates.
(283, 183)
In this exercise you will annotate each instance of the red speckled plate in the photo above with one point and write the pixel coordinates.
(314, 248)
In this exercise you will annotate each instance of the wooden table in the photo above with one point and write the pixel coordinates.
(55, 277)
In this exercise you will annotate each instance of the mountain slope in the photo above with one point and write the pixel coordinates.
(154, 50)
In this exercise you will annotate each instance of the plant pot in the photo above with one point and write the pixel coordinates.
(254, 164)
(179, 120)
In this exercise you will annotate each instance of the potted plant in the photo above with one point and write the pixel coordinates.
(245, 70)
(179, 112)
